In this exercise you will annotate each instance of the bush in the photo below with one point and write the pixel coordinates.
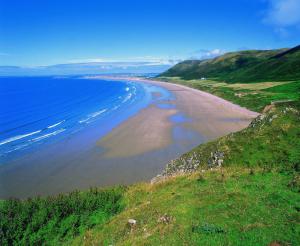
(57, 218)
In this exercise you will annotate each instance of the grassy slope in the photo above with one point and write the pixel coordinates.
(233, 207)
(243, 66)
(252, 200)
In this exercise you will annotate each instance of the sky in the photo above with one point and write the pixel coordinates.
(48, 32)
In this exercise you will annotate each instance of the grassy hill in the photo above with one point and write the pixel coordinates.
(243, 66)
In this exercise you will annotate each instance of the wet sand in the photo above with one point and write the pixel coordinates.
(149, 130)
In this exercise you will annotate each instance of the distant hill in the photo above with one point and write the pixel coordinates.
(86, 68)
(243, 66)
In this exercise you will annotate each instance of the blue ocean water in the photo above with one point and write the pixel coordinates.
(35, 111)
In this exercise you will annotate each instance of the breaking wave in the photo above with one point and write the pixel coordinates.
(15, 138)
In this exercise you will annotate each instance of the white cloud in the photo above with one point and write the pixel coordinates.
(283, 15)
(132, 61)
(206, 54)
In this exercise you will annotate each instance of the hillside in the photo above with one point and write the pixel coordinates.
(252, 198)
(243, 66)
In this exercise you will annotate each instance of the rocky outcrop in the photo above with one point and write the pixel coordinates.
(190, 163)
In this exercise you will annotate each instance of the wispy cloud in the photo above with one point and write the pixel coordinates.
(206, 54)
(85, 60)
(132, 61)
(282, 15)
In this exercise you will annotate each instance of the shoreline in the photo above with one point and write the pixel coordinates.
(135, 150)
(169, 85)
(200, 112)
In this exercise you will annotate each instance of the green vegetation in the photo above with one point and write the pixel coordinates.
(254, 96)
(243, 66)
(55, 219)
(233, 207)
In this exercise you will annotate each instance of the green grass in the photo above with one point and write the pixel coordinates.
(228, 207)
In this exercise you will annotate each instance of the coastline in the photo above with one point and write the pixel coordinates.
(200, 112)
(135, 150)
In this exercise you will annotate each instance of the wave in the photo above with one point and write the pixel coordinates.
(93, 115)
(127, 98)
(132, 90)
(57, 124)
(47, 135)
(17, 148)
(15, 138)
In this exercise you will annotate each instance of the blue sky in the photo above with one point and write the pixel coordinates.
(34, 33)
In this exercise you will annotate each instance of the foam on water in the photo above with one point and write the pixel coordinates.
(47, 135)
(55, 125)
(15, 138)
(93, 115)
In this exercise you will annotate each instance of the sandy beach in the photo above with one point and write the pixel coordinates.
(151, 129)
